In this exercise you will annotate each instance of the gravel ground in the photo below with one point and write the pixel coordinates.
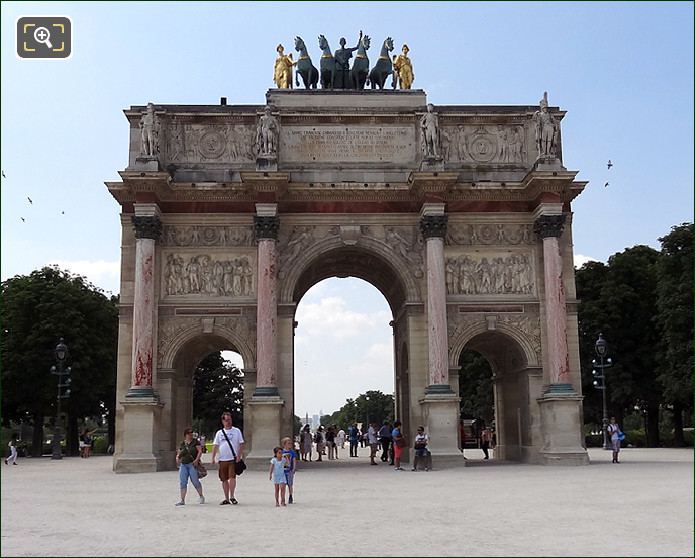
(79, 507)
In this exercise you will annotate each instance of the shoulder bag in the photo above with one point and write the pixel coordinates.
(239, 466)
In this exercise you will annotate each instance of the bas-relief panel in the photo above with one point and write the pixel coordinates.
(489, 273)
(209, 275)
(490, 234)
(204, 143)
(201, 235)
(480, 144)
(404, 241)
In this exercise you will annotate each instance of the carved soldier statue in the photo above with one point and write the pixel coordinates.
(430, 133)
(267, 134)
(546, 130)
(149, 132)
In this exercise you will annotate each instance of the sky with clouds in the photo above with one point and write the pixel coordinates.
(622, 70)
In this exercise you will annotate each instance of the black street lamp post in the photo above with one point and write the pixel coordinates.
(603, 363)
(64, 380)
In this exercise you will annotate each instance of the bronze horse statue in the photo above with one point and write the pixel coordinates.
(360, 68)
(384, 66)
(309, 73)
(327, 64)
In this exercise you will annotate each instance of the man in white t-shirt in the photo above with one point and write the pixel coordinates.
(221, 444)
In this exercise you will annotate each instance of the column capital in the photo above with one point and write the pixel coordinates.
(433, 226)
(549, 225)
(266, 227)
(147, 226)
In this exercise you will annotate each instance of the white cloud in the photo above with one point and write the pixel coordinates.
(103, 274)
(580, 260)
(330, 318)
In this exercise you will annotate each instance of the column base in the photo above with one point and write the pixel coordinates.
(140, 392)
(266, 392)
(439, 389)
(266, 418)
(561, 430)
(140, 423)
(440, 413)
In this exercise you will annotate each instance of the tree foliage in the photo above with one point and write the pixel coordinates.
(218, 386)
(642, 302)
(475, 387)
(37, 310)
(675, 322)
(367, 407)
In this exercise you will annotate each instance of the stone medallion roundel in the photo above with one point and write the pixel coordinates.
(482, 148)
(212, 144)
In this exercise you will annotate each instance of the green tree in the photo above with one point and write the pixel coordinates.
(475, 387)
(675, 323)
(218, 386)
(37, 310)
(370, 406)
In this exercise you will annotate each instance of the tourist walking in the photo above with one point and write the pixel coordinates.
(485, 438)
(330, 442)
(289, 462)
(353, 434)
(340, 439)
(13, 451)
(305, 443)
(187, 460)
(86, 441)
(422, 453)
(616, 436)
(229, 443)
(373, 440)
(277, 476)
(399, 442)
(385, 439)
(320, 440)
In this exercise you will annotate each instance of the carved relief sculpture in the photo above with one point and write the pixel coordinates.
(500, 234)
(472, 275)
(149, 132)
(204, 275)
(404, 248)
(299, 240)
(194, 235)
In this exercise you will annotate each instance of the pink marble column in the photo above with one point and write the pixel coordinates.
(549, 228)
(147, 231)
(433, 229)
(267, 313)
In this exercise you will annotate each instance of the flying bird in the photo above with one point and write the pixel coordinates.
(605, 185)
(22, 218)
(3, 174)
(30, 200)
(62, 212)
(609, 165)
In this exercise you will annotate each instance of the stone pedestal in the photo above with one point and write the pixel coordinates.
(267, 163)
(561, 430)
(141, 417)
(432, 164)
(148, 163)
(265, 428)
(440, 413)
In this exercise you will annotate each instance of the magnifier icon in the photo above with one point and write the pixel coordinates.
(43, 36)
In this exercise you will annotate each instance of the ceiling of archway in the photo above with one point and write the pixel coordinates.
(353, 262)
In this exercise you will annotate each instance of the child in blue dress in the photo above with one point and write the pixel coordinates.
(277, 475)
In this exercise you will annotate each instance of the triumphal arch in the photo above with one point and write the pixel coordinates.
(460, 215)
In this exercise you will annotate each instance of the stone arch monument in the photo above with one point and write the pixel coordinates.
(232, 212)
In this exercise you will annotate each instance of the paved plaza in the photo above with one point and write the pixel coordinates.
(77, 507)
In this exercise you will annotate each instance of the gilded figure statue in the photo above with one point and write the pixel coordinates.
(403, 66)
(282, 73)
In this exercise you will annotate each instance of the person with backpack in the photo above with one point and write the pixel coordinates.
(353, 436)
(616, 437)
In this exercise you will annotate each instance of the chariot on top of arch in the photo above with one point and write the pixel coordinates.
(334, 70)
